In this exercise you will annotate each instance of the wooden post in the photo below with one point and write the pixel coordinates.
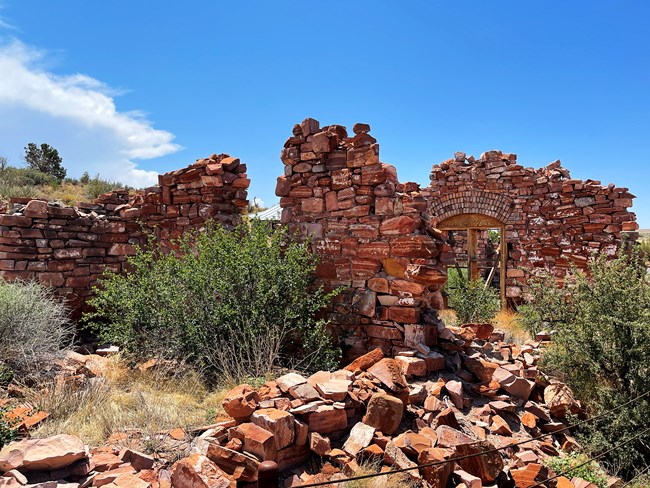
(268, 473)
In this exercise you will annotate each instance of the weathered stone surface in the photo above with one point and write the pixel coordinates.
(559, 398)
(256, 440)
(278, 422)
(384, 413)
(198, 471)
(487, 467)
(51, 453)
(389, 373)
(241, 401)
(327, 419)
(360, 437)
(439, 475)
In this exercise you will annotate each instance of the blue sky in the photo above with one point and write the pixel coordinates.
(132, 88)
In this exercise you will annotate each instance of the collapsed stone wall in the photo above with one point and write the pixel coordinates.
(69, 247)
(369, 232)
(378, 240)
(551, 220)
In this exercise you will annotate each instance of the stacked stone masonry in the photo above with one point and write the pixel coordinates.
(69, 247)
(551, 220)
(378, 239)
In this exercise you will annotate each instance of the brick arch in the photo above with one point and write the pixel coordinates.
(496, 205)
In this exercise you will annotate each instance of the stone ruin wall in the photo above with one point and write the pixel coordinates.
(68, 247)
(377, 238)
(370, 234)
(551, 220)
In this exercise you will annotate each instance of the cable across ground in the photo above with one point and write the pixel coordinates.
(489, 451)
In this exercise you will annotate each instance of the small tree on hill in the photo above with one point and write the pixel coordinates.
(45, 159)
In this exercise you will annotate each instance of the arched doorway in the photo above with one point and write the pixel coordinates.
(480, 251)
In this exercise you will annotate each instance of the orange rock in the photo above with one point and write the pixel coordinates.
(327, 419)
(529, 475)
(51, 453)
(528, 420)
(256, 440)
(319, 444)
(500, 426)
(198, 471)
(105, 461)
(413, 444)
(389, 373)
(487, 467)
(241, 401)
(109, 476)
(278, 422)
(384, 413)
(236, 464)
(138, 460)
(412, 366)
(436, 476)
(359, 438)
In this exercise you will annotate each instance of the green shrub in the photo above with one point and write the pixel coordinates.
(589, 472)
(602, 350)
(547, 307)
(34, 325)
(96, 186)
(235, 303)
(7, 432)
(472, 301)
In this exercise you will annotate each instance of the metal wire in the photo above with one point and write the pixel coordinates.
(489, 451)
(591, 460)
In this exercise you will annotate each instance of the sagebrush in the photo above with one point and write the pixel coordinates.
(34, 325)
(236, 303)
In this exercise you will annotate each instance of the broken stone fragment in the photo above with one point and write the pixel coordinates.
(278, 422)
(559, 398)
(389, 373)
(52, 453)
(241, 401)
(198, 471)
(359, 438)
(384, 413)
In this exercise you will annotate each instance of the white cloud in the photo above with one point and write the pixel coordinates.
(85, 107)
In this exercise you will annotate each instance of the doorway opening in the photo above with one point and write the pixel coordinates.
(480, 253)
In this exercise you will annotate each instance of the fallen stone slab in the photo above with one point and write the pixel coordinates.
(52, 453)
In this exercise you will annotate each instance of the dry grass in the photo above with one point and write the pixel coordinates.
(123, 399)
(399, 480)
(506, 320)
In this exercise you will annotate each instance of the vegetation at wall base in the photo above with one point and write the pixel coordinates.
(472, 300)
(234, 303)
(34, 327)
(601, 348)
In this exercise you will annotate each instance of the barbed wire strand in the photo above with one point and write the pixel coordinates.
(638, 476)
(468, 456)
(590, 460)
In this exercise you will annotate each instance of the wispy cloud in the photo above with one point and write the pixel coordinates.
(80, 101)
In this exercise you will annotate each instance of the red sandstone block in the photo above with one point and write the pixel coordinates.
(51, 279)
(15, 221)
(376, 250)
(121, 250)
(312, 205)
(379, 285)
(365, 268)
(414, 247)
(382, 332)
(404, 315)
(399, 226)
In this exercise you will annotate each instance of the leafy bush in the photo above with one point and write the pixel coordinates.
(602, 350)
(472, 301)
(236, 303)
(34, 325)
(7, 432)
(548, 306)
(589, 472)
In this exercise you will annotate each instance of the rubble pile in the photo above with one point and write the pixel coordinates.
(474, 393)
